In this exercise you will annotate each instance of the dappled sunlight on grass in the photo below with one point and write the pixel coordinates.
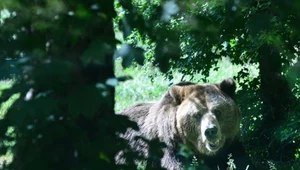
(149, 84)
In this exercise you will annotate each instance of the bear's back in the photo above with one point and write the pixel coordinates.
(138, 112)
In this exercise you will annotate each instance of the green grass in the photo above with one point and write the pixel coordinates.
(149, 84)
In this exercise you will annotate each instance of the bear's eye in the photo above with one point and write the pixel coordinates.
(198, 116)
(217, 113)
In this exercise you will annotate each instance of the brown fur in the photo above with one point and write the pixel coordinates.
(182, 116)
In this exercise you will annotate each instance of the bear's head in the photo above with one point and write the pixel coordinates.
(207, 116)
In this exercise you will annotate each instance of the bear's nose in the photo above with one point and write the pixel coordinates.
(211, 132)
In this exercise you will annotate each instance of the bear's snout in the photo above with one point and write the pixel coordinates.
(211, 132)
(210, 127)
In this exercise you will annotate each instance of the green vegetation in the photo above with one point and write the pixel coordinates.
(6, 84)
(58, 112)
(149, 84)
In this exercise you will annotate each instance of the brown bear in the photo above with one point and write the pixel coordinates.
(201, 116)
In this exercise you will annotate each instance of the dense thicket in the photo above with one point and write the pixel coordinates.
(61, 54)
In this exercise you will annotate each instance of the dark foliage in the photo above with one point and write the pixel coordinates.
(61, 54)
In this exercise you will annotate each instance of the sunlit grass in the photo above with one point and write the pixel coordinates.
(149, 84)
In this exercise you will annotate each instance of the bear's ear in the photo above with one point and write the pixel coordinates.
(176, 94)
(228, 86)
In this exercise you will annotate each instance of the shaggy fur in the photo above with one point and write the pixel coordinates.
(203, 116)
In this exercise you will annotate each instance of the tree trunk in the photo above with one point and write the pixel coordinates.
(275, 93)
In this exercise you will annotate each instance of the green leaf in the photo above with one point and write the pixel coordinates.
(103, 157)
(82, 12)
